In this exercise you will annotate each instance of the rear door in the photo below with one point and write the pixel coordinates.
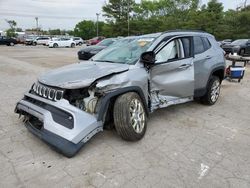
(203, 60)
(172, 76)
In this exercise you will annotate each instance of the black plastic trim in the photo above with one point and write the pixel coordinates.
(61, 145)
(106, 100)
(60, 116)
(200, 92)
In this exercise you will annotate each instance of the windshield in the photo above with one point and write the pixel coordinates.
(126, 51)
(239, 42)
(106, 42)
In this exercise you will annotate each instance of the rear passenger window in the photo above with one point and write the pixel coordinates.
(206, 43)
(198, 45)
(187, 46)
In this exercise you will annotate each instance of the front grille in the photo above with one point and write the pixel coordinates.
(47, 92)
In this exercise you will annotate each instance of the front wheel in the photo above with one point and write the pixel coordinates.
(72, 45)
(55, 45)
(130, 118)
(242, 52)
(213, 91)
(12, 44)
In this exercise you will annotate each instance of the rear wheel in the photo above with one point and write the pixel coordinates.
(72, 45)
(130, 117)
(12, 44)
(34, 43)
(213, 91)
(55, 45)
(80, 43)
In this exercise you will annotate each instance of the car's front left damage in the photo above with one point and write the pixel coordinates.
(68, 106)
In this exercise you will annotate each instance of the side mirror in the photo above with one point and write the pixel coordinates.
(148, 58)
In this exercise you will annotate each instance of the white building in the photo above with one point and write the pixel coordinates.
(2, 33)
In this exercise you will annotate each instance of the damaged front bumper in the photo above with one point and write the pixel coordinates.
(60, 124)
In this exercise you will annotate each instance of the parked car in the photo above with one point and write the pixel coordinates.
(41, 41)
(78, 40)
(95, 40)
(29, 40)
(241, 47)
(89, 51)
(7, 41)
(226, 41)
(123, 84)
(62, 42)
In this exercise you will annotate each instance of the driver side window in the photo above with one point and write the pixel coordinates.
(172, 51)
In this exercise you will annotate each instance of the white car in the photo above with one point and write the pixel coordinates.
(78, 40)
(62, 42)
(41, 40)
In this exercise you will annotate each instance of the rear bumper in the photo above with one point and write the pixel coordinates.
(64, 126)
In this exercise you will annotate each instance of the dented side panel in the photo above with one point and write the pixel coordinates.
(172, 81)
(136, 76)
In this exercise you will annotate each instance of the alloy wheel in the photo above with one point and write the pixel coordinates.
(137, 115)
(215, 91)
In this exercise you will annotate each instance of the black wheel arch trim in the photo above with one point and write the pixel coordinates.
(105, 102)
(214, 70)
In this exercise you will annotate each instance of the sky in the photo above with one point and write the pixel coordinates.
(63, 14)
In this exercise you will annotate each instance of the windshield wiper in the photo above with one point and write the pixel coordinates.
(108, 61)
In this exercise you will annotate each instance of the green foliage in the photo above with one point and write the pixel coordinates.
(54, 32)
(11, 33)
(151, 16)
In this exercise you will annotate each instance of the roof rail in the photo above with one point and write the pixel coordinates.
(185, 30)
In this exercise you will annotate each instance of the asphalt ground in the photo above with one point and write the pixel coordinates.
(189, 145)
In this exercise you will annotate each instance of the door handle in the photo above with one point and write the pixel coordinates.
(208, 57)
(184, 66)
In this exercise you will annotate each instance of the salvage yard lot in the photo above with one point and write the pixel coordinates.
(189, 145)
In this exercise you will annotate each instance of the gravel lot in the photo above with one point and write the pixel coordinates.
(188, 145)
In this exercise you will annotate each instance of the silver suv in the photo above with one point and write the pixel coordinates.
(123, 84)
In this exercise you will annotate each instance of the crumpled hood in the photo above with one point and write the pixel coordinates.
(80, 75)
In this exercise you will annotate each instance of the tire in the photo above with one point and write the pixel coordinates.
(72, 45)
(130, 118)
(12, 44)
(213, 91)
(242, 52)
(79, 43)
(34, 43)
(55, 45)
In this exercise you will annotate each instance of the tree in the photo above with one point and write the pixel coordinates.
(117, 13)
(54, 32)
(19, 29)
(11, 32)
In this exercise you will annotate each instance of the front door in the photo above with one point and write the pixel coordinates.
(172, 76)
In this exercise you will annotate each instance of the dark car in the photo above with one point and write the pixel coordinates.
(87, 52)
(7, 41)
(241, 47)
